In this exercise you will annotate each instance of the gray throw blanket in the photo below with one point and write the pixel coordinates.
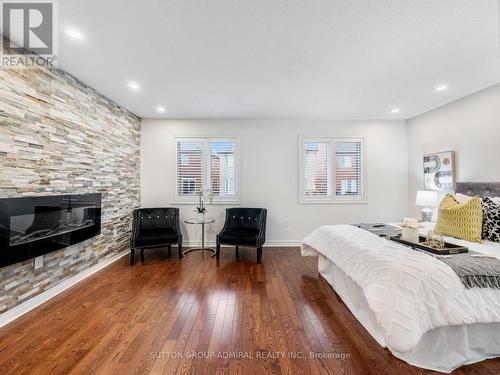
(479, 272)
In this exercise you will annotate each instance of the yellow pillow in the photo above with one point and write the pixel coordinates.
(463, 221)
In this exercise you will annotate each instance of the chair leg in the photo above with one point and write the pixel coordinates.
(237, 252)
(169, 250)
(180, 250)
(132, 256)
(259, 254)
(142, 255)
(217, 251)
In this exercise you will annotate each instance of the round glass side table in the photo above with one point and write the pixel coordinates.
(201, 222)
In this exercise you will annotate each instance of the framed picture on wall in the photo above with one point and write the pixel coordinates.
(439, 171)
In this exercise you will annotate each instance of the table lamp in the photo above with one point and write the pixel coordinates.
(426, 199)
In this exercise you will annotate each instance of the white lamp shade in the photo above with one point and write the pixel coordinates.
(426, 198)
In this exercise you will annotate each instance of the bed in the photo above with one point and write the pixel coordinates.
(410, 302)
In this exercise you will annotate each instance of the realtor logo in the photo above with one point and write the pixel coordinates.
(29, 33)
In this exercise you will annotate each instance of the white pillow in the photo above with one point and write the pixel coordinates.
(496, 200)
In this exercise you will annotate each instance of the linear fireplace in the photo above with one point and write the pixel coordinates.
(37, 225)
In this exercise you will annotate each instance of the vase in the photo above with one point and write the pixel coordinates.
(201, 215)
(410, 234)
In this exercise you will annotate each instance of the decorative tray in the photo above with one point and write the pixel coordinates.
(449, 248)
(380, 229)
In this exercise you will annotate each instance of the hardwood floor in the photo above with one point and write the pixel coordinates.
(191, 316)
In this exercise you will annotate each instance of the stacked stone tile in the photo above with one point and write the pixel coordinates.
(59, 136)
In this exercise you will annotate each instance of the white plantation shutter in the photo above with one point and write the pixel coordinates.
(332, 169)
(189, 167)
(317, 169)
(348, 168)
(222, 169)
(206, 162)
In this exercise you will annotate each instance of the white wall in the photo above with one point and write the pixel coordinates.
(470, 127)
(269, 172)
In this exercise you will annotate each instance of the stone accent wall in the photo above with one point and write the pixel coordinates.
(59, 136)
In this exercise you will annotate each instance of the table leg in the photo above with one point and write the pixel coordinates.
(202, 248)
(203, 235)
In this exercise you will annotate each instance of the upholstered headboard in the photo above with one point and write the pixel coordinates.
(487, 189)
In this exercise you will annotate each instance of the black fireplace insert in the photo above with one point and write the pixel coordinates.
(37, 225)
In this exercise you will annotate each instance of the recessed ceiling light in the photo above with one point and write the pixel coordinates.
(74, 33)
(395, 110)
(441, 87)
(161, 109)
(133, 85)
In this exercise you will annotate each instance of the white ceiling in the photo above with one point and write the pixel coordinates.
(336, 59)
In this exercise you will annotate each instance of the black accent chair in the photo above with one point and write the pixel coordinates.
(244, 227)
(155, 227)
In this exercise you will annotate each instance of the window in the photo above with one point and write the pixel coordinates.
(317, 168)
(184, 159)
(348, 187)
(345, 161)
(348, 179)
(189, 167)
(332, 170)
(188, 185)
(206, 162)
(222, 168)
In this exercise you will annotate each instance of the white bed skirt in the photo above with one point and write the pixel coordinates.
(442, 349)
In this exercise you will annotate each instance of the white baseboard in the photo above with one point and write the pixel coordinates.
(282, 243)
(36, 301)
(275, 243)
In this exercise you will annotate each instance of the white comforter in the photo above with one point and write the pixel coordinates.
(410, 292)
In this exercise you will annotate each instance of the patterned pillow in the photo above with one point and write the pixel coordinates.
(491, 220)
(462, 221)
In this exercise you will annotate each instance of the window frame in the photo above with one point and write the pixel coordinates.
(206, 169)
(333, 198)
